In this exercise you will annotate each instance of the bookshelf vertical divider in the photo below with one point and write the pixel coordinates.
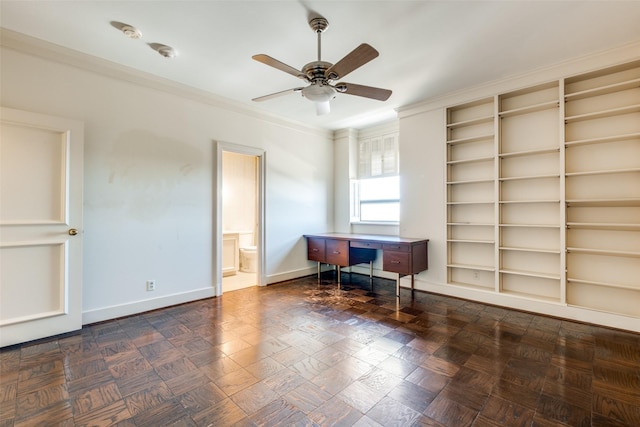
(496, 192)
(563, 198)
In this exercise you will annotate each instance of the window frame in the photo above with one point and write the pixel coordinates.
(377, 157)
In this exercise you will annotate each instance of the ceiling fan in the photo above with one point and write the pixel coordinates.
(320, 74)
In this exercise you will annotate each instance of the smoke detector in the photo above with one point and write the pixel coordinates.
(131, 32)
(167, 51)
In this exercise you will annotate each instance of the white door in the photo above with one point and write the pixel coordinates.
(41, 161)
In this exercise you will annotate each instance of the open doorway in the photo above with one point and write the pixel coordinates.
(239, 216)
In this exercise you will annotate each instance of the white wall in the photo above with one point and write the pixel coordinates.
(148, 176)
(423, 198)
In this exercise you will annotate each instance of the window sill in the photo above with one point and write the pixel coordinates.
(393, 223)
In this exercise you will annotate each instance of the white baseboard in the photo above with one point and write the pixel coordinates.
(558, 310)
(290, 275)
(128, 309)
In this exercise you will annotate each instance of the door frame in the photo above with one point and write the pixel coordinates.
(220, 147)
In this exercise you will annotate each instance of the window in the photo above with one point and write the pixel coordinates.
(376, 199)
(375, 194)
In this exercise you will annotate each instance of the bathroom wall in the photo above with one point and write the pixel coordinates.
(239, 196)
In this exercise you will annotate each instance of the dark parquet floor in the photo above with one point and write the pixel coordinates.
(305, 353)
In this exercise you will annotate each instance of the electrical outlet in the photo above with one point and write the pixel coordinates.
(151, 285)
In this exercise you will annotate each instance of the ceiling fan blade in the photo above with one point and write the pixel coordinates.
(364, 91)
(272, 62)
(276, 94)
(355, 59)
(322, 108)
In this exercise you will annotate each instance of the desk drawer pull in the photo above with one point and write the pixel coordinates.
(395, 262)
(336, 252)
(315, 250)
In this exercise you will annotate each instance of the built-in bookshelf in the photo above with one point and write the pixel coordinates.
(543, 192)
(470, 194)
(602, 148)
(529, 171)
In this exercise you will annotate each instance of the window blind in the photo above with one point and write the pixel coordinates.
(378, 156)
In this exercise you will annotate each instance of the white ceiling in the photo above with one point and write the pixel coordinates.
(427, 48)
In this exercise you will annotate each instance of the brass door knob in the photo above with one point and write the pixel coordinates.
(73, 232)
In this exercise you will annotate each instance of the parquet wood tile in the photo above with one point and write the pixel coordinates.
(58, 414)
(360, 396)
(612, 407)
(183, 383)
(279, 412)
(95, 398)
(500, 412)
(556, 409)
(254, 397)
(134, 383)
(201, 397)
(428, 379)
(390, 412)
(305, 352)
(450, 412)
(335, 412)
(515, 393)
(412, 395)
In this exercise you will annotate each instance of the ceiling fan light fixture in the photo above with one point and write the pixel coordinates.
(319, 92)
(323, 108)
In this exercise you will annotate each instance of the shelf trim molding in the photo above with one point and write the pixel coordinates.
(588, 251)
(603, 90)
(602, 284)
(530, 109)
(603, 139)
(604, 113)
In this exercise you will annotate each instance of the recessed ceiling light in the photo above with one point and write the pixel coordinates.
(131, 32)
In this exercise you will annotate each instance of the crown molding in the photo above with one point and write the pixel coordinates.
(573, 66)
(40, 48)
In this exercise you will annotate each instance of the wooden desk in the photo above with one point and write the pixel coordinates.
(401, 255)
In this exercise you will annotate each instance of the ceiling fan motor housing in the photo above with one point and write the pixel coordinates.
(315, 71)
(318, 24)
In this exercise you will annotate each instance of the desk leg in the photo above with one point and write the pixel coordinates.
(398, 286)
(318, 270)
(338, 267)
(371, 275)
(412, 286)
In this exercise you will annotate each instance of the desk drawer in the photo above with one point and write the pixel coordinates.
(398, 262)
(396, 247)
(337, 252)
(316, 249)
(366, 245)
